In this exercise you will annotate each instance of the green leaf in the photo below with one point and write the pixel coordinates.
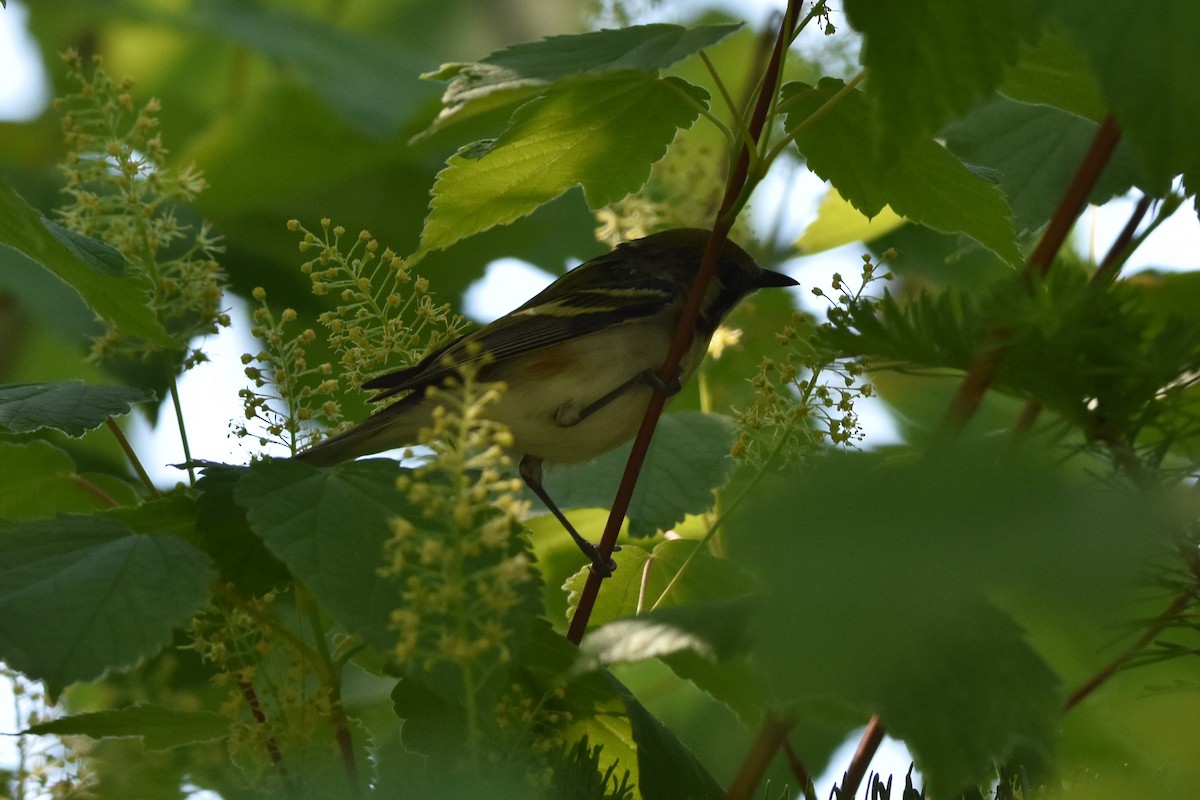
(1146, 65)
(688, 459)
(591, 130)
(1035, 151)
(223, 532)
(159, 727)
(370, 83)
(69, 406)
(932, 59)
(1053, 72)
(329, 527)
(522, 70)
(173, 513)
(712, 631)
(839, 223)
(40, 481)
(703, 642)
(884, 571)
(93, 269)
(667, 770)
(929, 185)
(82, 594)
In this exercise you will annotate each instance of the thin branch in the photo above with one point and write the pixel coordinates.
(771, 736)
(982, 371)
(1169, 615)
(187, 450)
(1118, 253)
(116, 431)
(94, 490)
(1105, 274)
(337, 712)
(799, 771)
(1075, 197)
(272, 746)
(730, 206)
(867, 746)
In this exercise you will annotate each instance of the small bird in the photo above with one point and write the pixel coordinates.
(580, 359)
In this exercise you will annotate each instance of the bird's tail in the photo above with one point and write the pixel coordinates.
(395, 426)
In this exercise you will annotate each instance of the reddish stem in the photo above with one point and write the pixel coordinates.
(341, 728)
(260, 718)
(1170, 614)
(771, 736)
(801, 773)
(868, 745)
(982, 370)
(687, 324)
(1075, 198)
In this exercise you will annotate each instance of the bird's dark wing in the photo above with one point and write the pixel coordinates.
(604, 292)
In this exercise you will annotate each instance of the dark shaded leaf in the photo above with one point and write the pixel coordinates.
(88, 266)
(69, 406)
(159, 727)
(82, 594)
(688, 459)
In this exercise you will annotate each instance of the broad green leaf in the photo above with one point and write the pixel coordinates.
(667, 770)
(703, 642)
(1035, 152)
(884, 571)
(712, 631)
(173, 513)
(329, 528)
(82, 594)
(1133, 735)
(622, 595)
(590, 131)
(839, 223)
(40, 481)
(223, 532)
(522, 70)
(929, 60)
(1146, 65)
(93, 269)
(688, 459)
(1053, 72)
(159, 727)
(371, 83)
(72, 407)
(642, 578)
(928, 185)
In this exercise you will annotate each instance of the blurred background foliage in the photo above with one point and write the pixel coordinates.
(309, 109)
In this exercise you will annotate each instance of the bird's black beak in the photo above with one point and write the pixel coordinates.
(773, 280)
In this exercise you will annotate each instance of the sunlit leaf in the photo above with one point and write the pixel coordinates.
(929, 185)
(839, 223)
(521, 70)
(591, 131)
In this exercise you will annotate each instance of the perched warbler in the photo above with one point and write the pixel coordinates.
(580, 359)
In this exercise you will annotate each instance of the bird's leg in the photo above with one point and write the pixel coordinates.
(567, 415)
(531, 471)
